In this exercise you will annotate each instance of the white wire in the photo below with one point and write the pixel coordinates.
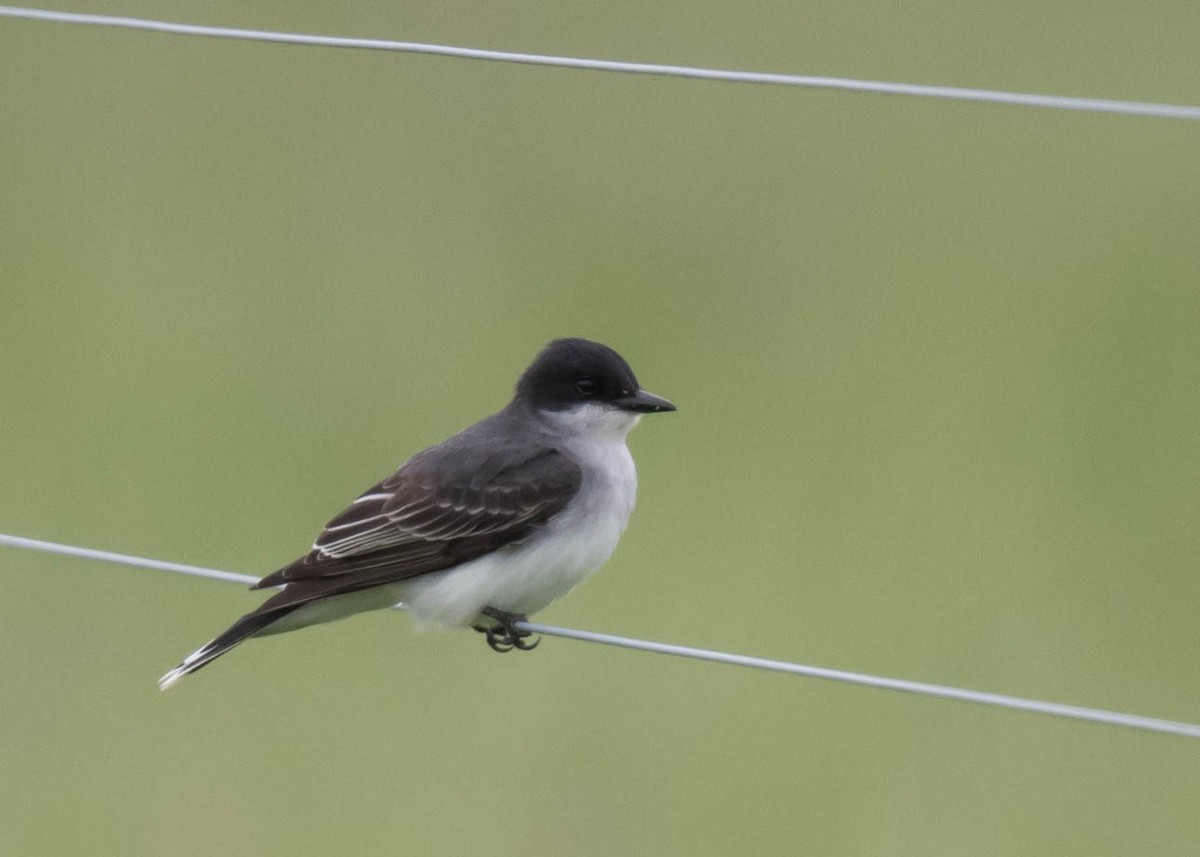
(124, 559)
(1075, 712)
(1025, 99)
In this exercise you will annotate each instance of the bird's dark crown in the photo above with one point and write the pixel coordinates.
(574, 371)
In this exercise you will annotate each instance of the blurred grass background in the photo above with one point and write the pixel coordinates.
(938, 369)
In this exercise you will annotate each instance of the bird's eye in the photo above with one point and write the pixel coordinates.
(587, 386)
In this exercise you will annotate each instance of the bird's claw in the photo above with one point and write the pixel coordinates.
(500, 640)
(505, 638)
(527, 643)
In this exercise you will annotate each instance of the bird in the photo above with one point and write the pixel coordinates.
(483, 529)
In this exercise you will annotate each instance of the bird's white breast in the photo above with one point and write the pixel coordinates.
(524, 578)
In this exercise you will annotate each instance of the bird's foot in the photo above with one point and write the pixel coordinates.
(505, 637)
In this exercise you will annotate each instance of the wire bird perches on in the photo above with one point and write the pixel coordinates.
(1075, 712)
(959, 93)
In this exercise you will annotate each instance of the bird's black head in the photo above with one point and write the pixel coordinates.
(572, 372)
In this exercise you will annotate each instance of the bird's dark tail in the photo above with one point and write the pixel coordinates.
(242, 629)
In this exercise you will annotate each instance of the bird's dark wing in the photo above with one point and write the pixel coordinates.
(450, 504)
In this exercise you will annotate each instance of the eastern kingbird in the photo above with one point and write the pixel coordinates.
(486, 527)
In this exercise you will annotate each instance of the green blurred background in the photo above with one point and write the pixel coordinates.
(938, 369)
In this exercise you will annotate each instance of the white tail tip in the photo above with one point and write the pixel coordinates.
(172, 678)
(190, 664)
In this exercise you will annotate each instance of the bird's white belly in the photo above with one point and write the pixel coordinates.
(525, 578)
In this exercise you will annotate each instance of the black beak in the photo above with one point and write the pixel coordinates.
(642, 402)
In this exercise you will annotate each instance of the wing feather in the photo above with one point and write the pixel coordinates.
(412, 523)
